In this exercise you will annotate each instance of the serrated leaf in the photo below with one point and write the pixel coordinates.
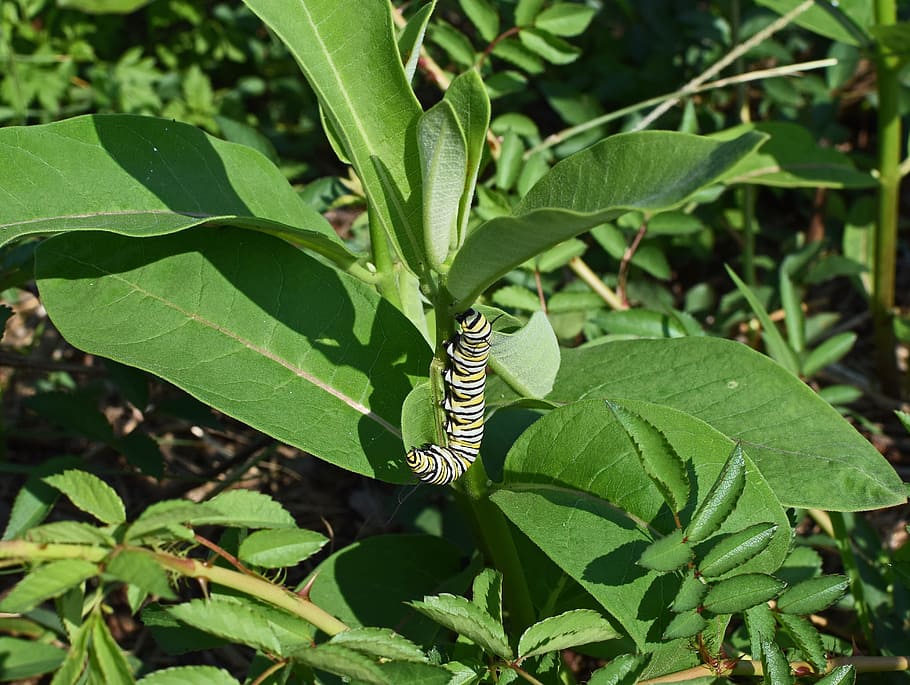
(76, 658)
(419, 674)
(721, 498)
(775, 665)
(569, 629)
(247, 623)
(486, 593)
(280, 547)
(165, 517)
(140, 569)
(623, 670)
(189, 675)
(663, 465)
(579, 193)
(528, 360)
(380, 643)
(343, 662)
(250, 509)
(90, 494)
(690, 594)
(736, 549)
(565, 19)
(484, 17)
(21, 660)
(806, 637)
(35, 499)
(666, 554)
(741, 592)
(108, 656)
(443, 162)
(72, 532)
(813, 595)
(685, 624)
(468, 620)
(46, 581)
(760, 626)
(841, 675)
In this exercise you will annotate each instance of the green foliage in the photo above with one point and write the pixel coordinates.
(634, 461)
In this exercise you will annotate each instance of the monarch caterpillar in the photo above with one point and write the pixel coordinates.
(464, 404)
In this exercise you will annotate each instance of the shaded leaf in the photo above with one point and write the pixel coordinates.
(741, 592)
(721, 498)
(734, 550)
(46, 581)
(344, 662)
(486, 593)
(666, 554)
(24, 659)
(380, 643)
(466, 619)
(806, 637)
(812, 595)
(189, 675)
(685, 624)
(528, 359)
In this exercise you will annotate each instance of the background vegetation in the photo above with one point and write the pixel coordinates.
(779, 227)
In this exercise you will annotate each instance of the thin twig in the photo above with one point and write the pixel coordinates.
(725, 61)
(773, 72)
(626, 260)
(591, 279)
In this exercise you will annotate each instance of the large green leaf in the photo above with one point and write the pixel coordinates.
(143, 176)
(846, 22)
(250, 325)
(349, 56)
(369, 582)
(648, 171)
(809, 455)
(574, 485)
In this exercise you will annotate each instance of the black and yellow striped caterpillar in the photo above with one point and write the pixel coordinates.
(465, 381)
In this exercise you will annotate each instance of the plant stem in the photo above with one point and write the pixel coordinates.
(885, 256)
(494, 537)
(592, 280)
(253, 586)
(851, 569)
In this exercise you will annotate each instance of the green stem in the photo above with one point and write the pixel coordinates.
(889, 146)
(491, 530)
(253, 586)
(851, 569)
(387, 281)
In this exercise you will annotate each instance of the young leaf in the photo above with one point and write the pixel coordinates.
(168, 518)
(552, 48)
(775, 665)
(46, 581)
(623, 670)
(140, 569)
(344, 662)
(778, 349)
(90, 494)
(690, 595)
(486, 593)
(685, 624)
(72, 532)
(106, 655)
(565, 18)
(279, 548)
(741, 592)
(660, 461)
(842, 675)
(813, 595)
(22, 660)
(829, 352)
(721, 499)
(466, 619)
(189, 675)
(380, 643)
(736, 549)
(528, 359)
(443, 162)
(411, 38)
(667, 553)
(484, 17)
(570, 629)
(471, 104)
(806, 637)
